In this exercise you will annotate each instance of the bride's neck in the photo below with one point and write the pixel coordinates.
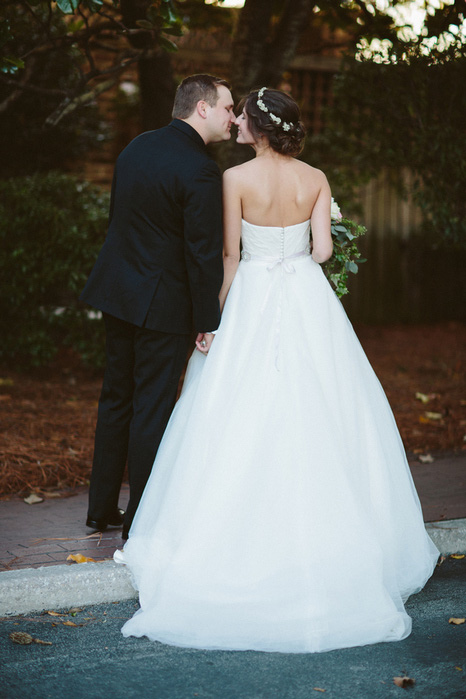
(265, 151)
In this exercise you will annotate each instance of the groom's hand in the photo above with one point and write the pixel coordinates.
(204, 341)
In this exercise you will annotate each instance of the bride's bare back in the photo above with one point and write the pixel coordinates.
(274, 190)
(278, 190)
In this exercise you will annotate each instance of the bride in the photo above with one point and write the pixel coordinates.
(280, 514)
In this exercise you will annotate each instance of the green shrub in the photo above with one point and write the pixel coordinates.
(52, 227)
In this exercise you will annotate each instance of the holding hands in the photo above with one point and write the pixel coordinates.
(204, 341)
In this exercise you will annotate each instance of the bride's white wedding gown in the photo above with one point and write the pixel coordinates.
(280, 514)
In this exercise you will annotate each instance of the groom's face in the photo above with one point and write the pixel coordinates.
(221, 117)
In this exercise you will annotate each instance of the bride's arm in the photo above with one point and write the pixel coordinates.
(232, 213)
(322, 245)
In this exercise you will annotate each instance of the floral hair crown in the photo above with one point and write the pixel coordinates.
(276, 120)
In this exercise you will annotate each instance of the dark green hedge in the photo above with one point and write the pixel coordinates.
(52, 227)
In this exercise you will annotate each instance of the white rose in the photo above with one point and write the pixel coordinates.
(335, 212)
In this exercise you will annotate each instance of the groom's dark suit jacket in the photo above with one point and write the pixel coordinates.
(161, 264)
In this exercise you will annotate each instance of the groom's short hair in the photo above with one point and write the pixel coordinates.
(192, 90)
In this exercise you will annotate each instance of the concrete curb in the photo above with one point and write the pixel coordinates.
(62, 586)
(66, 586)
(449, 536)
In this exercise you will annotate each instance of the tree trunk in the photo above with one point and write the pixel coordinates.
(248, 48)
(157, 88)
(156, 82)
(280, 52)
(264, 45)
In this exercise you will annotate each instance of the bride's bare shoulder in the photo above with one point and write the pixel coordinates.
(239, 170)
(239, 173)
(310, 171)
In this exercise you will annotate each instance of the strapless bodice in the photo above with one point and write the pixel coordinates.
(274, 241)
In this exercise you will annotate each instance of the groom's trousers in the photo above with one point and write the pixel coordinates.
(138, 395)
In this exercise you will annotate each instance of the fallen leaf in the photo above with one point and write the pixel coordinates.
(404, 681)
(456, 620)
(319, 689)
(79, 558)
(457, 667)
(6, 382)
(74, 610)
(5, 397)
(422, 397)
(21, 637)
(69, 623)
(25, 639)
(426, 458)
(433, 416)
(457, 556)
(424, 420)
(32, 499)
(55, 613)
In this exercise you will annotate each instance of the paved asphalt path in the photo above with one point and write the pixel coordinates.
(93, 661)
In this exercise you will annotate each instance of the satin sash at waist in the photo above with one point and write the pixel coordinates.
(274, 261)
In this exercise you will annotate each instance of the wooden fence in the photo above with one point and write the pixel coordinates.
(406, 278)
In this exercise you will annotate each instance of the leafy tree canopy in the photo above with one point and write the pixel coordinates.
(399, 105)
(101, 38)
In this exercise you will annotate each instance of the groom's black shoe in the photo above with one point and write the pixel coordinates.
(115, 520)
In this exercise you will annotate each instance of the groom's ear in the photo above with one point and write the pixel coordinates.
(201, 109)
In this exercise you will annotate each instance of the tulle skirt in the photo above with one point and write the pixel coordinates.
(280, 514)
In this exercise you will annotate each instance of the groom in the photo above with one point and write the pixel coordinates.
(156, 279)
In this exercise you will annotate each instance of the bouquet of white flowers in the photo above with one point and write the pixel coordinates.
(345, 257)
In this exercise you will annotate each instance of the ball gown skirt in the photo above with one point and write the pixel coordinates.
(280, 514)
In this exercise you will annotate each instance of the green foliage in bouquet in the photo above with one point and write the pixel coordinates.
(52, 227)
(346, 256)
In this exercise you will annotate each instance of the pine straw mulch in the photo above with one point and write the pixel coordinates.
(47, 417)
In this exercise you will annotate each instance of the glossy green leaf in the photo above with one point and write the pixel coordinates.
(145, 24)
(93, 5)
(10, 65)
(176, 30)
(167, 45)
(168, 12)
(68, 7)
(351, 266)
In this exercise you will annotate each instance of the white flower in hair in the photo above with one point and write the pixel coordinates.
(260, 103)
(273, 117)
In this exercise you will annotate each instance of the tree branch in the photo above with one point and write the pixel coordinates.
(68, 105)
(13, 96)
(81, 36)
(32, 88)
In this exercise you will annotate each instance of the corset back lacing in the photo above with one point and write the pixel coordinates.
(283, 263)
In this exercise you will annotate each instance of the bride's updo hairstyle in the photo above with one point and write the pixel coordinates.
(275, 114)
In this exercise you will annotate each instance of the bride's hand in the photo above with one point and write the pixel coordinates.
(204, 342)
